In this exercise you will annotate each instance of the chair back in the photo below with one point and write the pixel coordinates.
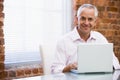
(47, 54)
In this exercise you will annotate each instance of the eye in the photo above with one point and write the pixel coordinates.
(83, 18)
(90, 19)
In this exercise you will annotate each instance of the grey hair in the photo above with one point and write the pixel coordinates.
(87, 6)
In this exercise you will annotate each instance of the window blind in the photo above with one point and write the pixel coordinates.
(28, 23)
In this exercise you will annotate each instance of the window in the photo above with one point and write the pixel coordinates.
(28, 23)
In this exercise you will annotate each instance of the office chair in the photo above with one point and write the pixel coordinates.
(47, 54)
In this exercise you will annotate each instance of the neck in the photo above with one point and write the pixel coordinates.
(84, 37)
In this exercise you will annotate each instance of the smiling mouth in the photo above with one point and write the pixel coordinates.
(85, 27)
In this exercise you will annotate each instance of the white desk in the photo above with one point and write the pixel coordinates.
(72, 76)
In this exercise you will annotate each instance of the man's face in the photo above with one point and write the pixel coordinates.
(86, 21)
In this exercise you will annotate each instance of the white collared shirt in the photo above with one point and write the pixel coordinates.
(66, 49)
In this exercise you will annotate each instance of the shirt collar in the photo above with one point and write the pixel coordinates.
(92, 36)
(75, 35)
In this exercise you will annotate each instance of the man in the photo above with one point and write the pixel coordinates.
(66, 54)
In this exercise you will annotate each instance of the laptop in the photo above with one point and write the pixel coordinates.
(94, 58)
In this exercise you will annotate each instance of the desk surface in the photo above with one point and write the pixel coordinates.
(72, 76)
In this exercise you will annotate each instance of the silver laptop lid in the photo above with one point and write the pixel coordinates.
(95, 57)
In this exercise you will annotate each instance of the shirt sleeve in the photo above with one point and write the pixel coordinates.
(116, 64)
(60, 58)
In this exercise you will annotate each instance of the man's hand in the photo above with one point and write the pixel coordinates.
(70, 66)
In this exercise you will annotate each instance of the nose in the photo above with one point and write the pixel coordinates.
(86, 22)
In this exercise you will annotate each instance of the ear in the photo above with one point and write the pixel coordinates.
(96, 21)
(76, 20)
